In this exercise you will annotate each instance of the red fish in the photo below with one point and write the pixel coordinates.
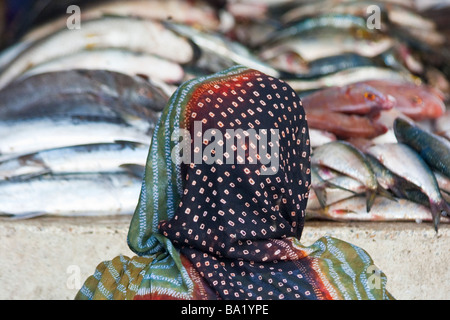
(345, 126)
(348, 111)
(419, 102)
(357, 98)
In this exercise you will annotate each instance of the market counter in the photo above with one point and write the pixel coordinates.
(49, 258)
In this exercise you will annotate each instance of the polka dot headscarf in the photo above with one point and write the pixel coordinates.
(248, 193)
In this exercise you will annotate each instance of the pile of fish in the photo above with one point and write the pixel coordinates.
(78, 106)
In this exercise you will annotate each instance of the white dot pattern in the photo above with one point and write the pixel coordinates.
(232, 219)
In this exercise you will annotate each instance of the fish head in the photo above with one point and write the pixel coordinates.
(427, 101)
(419, 102)
(403, 128)
(371, 97)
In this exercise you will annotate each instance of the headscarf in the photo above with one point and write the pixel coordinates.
(232, 218)
(222, 204)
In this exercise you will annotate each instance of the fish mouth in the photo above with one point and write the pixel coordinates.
(389, 103)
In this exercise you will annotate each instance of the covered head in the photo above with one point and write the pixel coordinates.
(229, 179)
(249, 171)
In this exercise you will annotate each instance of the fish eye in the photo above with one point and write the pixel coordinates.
(416, 100)
(369, 96)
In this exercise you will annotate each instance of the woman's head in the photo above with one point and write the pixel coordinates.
(245, 166)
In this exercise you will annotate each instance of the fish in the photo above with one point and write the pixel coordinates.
(434, 149)
(357, 98)
(345, 126)
(341, 156)
(320, 137)
(350, 76)
(418, 102)
(295, 67)
(387, 118)
(397, 14)
(8, 54)
(137, 35)
(407, 164)
(93, 158)
(71, 195)
(191, 13)
(321, 21)
(83, 93)
(383, 209)
(19, 137)
(326, 42)
(385, 177)
(118, 60)
(400, 187)
(223, 49)
(442, 124)
(333, 195)
(329, 187)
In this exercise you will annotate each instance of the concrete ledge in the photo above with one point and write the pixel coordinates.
(49, 258)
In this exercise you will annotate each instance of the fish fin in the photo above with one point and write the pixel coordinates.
(136, 170)
(27, 215)
(385, 193)
(335, 186)
(370, 198)
(321, 195)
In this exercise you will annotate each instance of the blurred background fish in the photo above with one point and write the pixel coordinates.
(78, 106)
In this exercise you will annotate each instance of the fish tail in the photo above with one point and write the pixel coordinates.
(370, 198)
(438, 209)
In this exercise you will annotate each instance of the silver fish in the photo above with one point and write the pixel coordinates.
(109, 32)
(346, 159)
(68, 195)
(383, 209)
(33, 135)
(320, 137)
(349, 76)
(443, 182)
(334, 179)
(118, 60)
(329, 42)
(83, 93)
(333, 195)
(95, 158)
(221, 47)
(407, 164)
(198, 12)
(443, 123)
(435, 150)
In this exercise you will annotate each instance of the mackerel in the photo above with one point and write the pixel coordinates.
(129, 33)
(341, 156)
(33, 135)
(407, 164)
(70, 195)
(94, 158)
